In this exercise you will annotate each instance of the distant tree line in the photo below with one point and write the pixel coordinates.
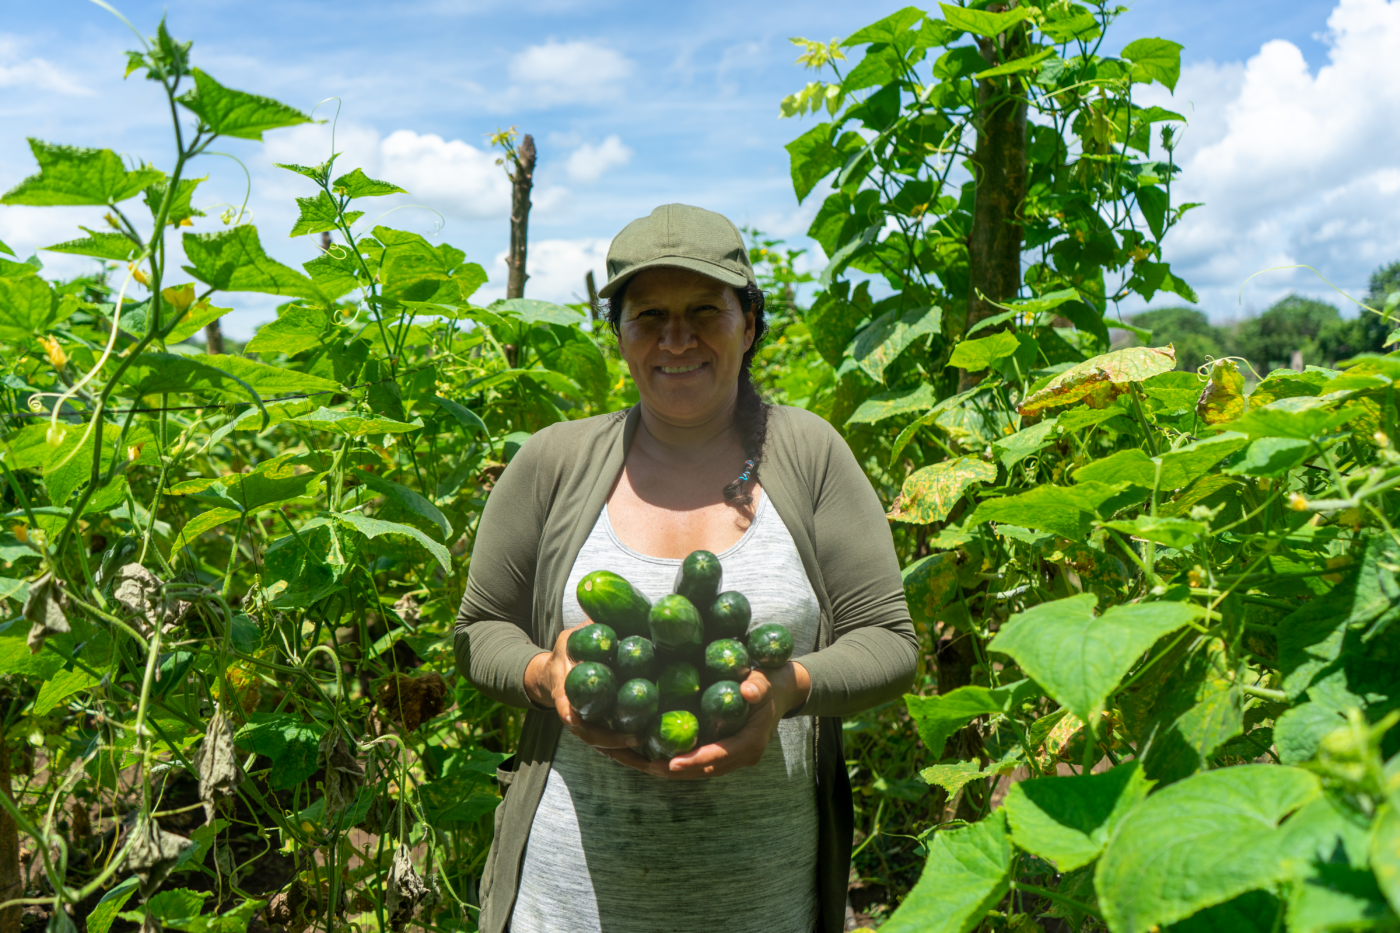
(1314, 329)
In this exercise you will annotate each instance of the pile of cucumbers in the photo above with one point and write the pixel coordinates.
(669, 671)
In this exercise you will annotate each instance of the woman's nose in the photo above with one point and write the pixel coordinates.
(677, 336)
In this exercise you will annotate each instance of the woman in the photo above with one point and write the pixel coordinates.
(752, 832)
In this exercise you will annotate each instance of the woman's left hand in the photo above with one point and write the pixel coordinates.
(771, 695)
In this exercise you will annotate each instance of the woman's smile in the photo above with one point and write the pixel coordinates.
(680, 370)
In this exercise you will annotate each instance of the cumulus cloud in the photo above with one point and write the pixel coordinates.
(588, 162)
(1292, 166)
(556, 268)
(574, 72)
(35, 73)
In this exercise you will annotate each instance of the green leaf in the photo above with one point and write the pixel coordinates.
(193, 321)
(234, 113)
(107, 909)
(285, 739)
(1385, 853)
(889, 404)
(28, 307)
(929, 584)
(219, 376)
(171, 905)
(320, 213)
(888, 29)
(297, 328)
(357, 184)
(976, 355)
(1300, 425)
(930, 493)
(352, 424)
(1069, 819)
(457, 799)
(301, 569)
(812, 157)
(465, 416)
(59, 688)
(233, 260)
(581, 361)
(1173, 532)
(938, 717)
(1017, 66)
(953, 777)
(6, 249)
(1077, 658)
(205, 521)
(335, 273)
(890, 334)
(982, 23)
(69, 175)
(1012, 450)
(1273, 457)
(538, 312)
(114, 246)
(373, 528)
(1199, 843)
(1222, 400)
(1155, 60)
(407, 499)
(967, 872)
(1065, 510)
(180, 208)
(1100, 380)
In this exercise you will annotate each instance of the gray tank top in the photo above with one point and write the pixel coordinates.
(612, 849)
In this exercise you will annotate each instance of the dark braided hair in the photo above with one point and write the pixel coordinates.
(750, 411)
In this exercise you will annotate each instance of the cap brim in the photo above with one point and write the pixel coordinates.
(713, 270)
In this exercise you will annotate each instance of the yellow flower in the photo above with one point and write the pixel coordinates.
(1296, 502)
(139, 274)
(54, 351)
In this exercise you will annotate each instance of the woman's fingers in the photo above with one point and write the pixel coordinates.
(755, 687)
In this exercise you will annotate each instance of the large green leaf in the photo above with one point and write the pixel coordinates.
(930, 493)
(357, 184)
(976, 355)
(28, 307)
(204, 521)
(929, 584)
(532, 311)
(70, 175)
(967, 872)
(938, 717)
(462, 798)
(303, 568)
(219, 376)
(1079, 658)
(1025, 442)
(890, 334)
(1098, 381)
(352, 424)
(373, 528)
(812, 157)
(68, 465)
(407, 499)
(1385, 852)
(889, 404)
(319, 214)
(1199, 843)
(982, 23)
(233, 260)
(285, 739)
(297, 328)
(1155, 60)
(194, 320)
(465, 416)
(99, 920)
(1222, 400)
(1335, 888)
(1069, 819)
(1303, 425)
(235, 113)
(1065, 510)
(114, 246)
(272, 483)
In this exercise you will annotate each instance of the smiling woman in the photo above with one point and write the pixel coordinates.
(751, 832)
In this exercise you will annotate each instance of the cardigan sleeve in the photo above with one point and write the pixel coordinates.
(874, 655)
(492, 640)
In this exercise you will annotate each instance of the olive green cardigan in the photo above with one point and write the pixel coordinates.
(535, 523)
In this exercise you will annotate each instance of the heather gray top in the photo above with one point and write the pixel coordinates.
(614, 849)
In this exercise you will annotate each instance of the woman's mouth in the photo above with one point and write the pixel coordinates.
(675, 370)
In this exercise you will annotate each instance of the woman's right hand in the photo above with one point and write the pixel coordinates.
(544, 682)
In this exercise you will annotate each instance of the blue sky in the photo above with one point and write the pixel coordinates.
(1292, 144)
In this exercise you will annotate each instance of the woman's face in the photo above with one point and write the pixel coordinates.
(684, 336)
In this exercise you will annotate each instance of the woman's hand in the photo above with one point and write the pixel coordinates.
(544, 682)
(771, 695)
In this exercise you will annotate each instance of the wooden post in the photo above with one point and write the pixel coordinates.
(11, 885)
(522, 179)
(999, 165)
(592, 294)
(213, 338)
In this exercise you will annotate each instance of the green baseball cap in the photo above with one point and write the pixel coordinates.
(681, 237)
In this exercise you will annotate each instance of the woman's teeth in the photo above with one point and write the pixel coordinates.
(681, 369)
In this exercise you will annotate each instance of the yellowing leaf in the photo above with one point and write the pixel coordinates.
(1223, 397)
(929, 494)
(1097, 382)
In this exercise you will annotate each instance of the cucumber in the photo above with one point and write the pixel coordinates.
(675, 733)
(728, 616)
(726, 659)
(635, 658)
(698, 578)
(723, 711)
(675, 624)
(636, 706)
(596, 642)
(592, 690)
(679, 686)
(770, 645)
(609, 599)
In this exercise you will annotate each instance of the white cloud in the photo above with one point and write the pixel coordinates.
(556, 269)
(574, 72)
(1293, 167)
(589, 162)
(37, 73)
